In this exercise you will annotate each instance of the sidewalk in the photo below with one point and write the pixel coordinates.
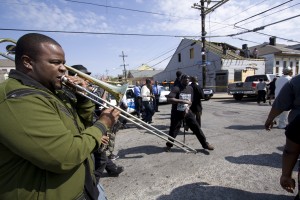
(221, 95)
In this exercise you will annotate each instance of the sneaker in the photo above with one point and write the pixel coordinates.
(168, 149)
(116, 172)
(209, 147)
(113, 157)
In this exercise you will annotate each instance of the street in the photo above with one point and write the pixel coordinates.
(246, 162)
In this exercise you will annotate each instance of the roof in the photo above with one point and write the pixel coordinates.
(142, 73)
(266, 48)
(145, 67)
(6, 63)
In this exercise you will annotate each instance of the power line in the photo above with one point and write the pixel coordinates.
(263, 12)
(238, 14)
(271, 14)
(96, 33)
(128, 9)
(262, 27)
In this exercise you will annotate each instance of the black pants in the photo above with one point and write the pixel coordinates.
(190, 120)
(198, 116)
(155, 103)
(101, 163)
(138, 105)
(261, 96)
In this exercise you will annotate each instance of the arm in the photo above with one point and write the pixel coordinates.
(274, 112)
(289, 159)
(174, 100)
(172, 97)
(44, 133)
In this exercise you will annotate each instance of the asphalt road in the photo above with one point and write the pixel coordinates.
(246, 162)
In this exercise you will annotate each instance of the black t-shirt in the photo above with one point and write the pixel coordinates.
(181, 92)
(198, 95)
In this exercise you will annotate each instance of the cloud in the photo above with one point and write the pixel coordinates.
(221, 21)
(61, 15)
(39, 15)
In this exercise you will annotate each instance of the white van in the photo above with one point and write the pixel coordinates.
(129, 97)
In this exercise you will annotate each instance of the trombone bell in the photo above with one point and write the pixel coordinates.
(116, 91)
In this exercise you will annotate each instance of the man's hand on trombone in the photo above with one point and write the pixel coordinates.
(78, 81)
(109, 117)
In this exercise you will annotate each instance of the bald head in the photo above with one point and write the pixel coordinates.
(30, 45)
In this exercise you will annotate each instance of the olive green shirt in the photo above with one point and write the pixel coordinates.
(43, 141)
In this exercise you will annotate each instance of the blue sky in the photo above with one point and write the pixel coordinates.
(100, 53)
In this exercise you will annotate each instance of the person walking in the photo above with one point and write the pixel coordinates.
(52, 139)
(288, 99)
(177, 80)
(196, 106)
(156, 93)
(261, 88)
(102, 157)
(290, 156)
(181, 99)
(280, 82)
(137, 99)
(271, 90)
(147, 98)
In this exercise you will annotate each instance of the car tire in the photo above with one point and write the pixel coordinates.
(238, 97)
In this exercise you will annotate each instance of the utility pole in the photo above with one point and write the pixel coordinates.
(204, 11)
(125, 72)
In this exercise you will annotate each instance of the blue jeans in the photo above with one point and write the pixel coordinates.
(102, 195)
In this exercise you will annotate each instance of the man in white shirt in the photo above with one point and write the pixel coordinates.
(280, 82)
(147, 98)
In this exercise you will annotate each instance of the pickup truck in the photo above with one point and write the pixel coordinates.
(248, 88)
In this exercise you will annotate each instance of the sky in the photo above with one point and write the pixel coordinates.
(146, 31)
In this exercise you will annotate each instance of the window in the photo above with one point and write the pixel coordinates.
(277, 62)
(191, 53)
(284, 64)
(276, 70)
(179, 57)
(297, 67)
(291, 64)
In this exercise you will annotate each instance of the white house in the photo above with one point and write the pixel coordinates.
(5, 66)
(224, 65)
(279, 56)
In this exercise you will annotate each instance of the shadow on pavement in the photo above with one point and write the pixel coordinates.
(246, 127)
(204, 191)
(137, 152)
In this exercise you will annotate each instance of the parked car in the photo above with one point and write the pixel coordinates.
(129, 97)
(163, 92)
(208, 93)
(248, 88)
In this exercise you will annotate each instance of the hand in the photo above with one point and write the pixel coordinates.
(104, 140)
(78, 81)
(269, 124)
(287, 183)
(188, 102)
(109, 117)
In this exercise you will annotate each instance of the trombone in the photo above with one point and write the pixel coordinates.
(118, 92)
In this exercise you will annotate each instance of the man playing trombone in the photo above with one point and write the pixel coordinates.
(45, 143)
